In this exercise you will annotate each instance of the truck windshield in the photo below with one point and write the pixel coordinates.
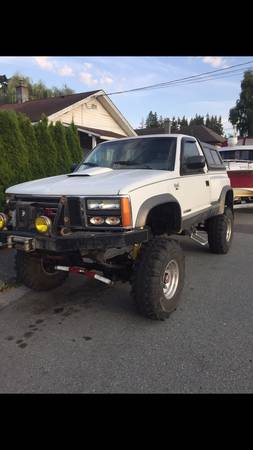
(156, 153)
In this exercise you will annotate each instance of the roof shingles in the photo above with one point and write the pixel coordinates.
(35, 108)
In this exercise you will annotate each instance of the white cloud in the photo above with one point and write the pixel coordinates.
(87, 65)
(87, 78)
(215, 61)
(106, 80)
(44, 62)
(66, 71)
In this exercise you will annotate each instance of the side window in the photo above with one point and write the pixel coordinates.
(188, 149)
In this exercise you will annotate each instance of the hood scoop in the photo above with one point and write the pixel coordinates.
(78, 175)
(90, 172)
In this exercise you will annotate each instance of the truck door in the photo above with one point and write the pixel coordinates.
(193, 184)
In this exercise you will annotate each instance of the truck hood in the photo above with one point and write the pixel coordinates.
(92, 181)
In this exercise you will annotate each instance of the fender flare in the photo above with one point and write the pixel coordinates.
(150, 203)
(222, 198)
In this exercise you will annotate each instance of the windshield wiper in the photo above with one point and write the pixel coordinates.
(91, 164)
(131, 164)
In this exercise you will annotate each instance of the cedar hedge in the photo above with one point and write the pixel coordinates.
(29, 152)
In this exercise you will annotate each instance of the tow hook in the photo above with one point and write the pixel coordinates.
(85, 272)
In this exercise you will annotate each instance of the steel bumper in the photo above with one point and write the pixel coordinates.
(83, 240)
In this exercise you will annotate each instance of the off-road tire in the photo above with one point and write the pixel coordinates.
(148, 273)
(31, 272)
(217, 228)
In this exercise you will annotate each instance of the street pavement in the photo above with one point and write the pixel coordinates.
(85, 337)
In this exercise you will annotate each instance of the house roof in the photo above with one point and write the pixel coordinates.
(98, 132)
(35, 108)
(201, 132)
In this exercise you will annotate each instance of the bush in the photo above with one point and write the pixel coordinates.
(29, 152)
(36, 156)
(73, 143)
(47, 148)
(64, 159)
(14, 150)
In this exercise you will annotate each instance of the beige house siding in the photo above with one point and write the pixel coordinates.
(92, 115)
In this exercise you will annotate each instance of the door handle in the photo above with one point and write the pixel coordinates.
(207, 183)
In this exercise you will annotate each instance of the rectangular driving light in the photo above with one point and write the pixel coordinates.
(103, 204)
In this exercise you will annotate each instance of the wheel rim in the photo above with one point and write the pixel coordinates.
(47, 268)
(229, 230)
(170, 279)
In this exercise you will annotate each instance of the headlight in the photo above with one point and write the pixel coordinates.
(3, 221)
(8, 198)
(103, 203)
(113, 220)
(43, 224)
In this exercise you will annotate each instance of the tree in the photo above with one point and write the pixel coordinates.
(5, 173)
(47, 148)
(63, 154)
(161, 122)
(35, 90)
(183, 122)
(73, 143)
(152, 120)
(242, 114)
(35, 156)
(13, 148)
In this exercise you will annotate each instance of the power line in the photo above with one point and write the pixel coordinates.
(194, 78)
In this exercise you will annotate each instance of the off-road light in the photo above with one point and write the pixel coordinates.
(106, 203)
(43, 224)
(3, 221)
(97, 220)
(112, 220)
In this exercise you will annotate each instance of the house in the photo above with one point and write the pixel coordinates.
(201, 132)
(96, 117)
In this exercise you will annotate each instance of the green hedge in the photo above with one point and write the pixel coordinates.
(29, 152)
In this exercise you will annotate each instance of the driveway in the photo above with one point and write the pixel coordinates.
(86, 337)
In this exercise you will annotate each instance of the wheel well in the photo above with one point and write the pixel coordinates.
(164, 218)
(229, 199)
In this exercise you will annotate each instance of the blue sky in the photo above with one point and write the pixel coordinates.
(121, 73)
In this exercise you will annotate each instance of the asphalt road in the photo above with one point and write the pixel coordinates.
(85, 337)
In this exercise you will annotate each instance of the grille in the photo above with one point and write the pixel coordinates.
(28, 208)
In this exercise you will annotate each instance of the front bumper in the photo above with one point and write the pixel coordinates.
(80, 240)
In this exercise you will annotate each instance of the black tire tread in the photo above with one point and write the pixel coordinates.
(217, 230)
(146, 275)
(29, 273)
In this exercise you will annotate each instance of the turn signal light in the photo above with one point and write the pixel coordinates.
(126, 212)
(3, 221)
(43, 224)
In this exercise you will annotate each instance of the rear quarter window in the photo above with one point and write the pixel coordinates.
(213, 158)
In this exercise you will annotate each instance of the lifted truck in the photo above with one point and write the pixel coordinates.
(113, 218)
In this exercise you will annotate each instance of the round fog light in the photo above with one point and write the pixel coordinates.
(3, 221)
(112, 220)
(43, 224)
(97, 220)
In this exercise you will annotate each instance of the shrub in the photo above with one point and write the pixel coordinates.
(73, 143)
(47, 148)
(36, 157)
(57, 132)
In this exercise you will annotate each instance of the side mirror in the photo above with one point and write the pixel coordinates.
(73, 167)
(195, 162)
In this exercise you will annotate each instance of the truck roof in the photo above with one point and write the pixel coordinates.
(152, 136)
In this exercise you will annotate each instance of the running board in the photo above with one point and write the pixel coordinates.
(199, 238)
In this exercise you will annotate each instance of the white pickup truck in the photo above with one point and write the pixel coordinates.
(114, 216)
